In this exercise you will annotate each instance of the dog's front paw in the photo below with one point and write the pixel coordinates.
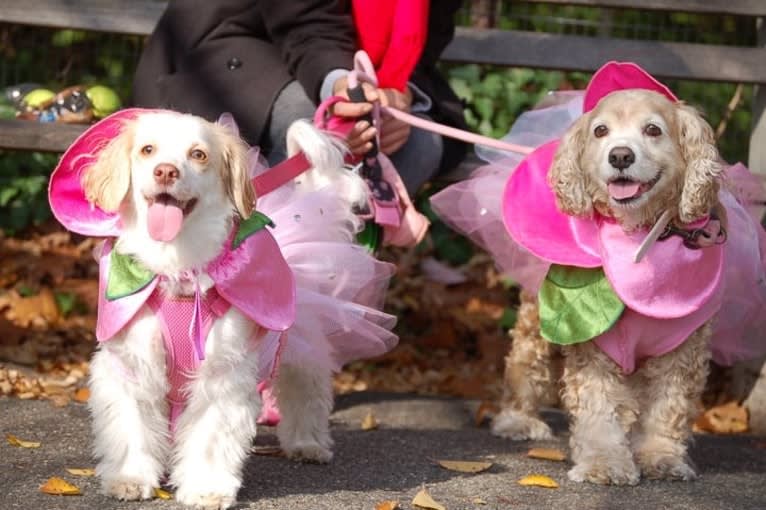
(308, 452)
(605, 470)
(128, 489)
(666, 467)
(205, 501)
(518, 426)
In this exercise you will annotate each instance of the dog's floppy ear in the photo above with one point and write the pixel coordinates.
(566, 176)
(107, 181)
(703, 165)
(235, 173)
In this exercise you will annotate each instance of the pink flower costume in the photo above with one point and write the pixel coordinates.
(289, 268)
(583, 269)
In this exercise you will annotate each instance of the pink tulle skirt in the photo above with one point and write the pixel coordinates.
(340, 286)
(473, 208)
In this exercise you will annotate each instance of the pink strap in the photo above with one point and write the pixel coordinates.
(281, 174)
(458, 134)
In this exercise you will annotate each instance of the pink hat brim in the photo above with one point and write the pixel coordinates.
(65, 193)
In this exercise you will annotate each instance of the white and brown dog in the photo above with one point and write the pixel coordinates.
(179, 187)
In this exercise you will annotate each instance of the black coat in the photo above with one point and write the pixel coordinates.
(208, 57)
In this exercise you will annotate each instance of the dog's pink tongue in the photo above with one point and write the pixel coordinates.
(164, 221)
(622, 190)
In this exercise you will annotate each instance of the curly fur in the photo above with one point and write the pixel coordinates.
(622, 426)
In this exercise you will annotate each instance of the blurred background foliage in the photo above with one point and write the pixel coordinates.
(493, 96)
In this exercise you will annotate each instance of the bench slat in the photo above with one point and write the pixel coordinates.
(37, 136)
(118, 16)
(579, 53)
(739, 7)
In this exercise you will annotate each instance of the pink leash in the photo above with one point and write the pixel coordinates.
(364, 72)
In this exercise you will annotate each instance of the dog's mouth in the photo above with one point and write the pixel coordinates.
(166, 216)
(625, 190)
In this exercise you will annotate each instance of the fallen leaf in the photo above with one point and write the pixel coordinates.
(388, 505)
(162, 493)
(465, 466)
(478, 501)
(268, 451)
(81, 395)
(369, 422)
(59, 487)
(729, 418)
(546, 454)
(81, 471)
(424, 500)
(486, 411)
(15, 441)
(539, 481)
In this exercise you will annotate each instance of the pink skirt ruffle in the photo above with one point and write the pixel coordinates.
(340, 287)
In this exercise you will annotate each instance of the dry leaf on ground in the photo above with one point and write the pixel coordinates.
(81, 471)
(539, 481)
(478, 501)
(81, 395)
(15, 441)
(424, 500)
(546, 454)
(465, 466)
(268, 451)
(59, 487)
(729, 418)
(162, 493)
(388, 505)
(369, 422)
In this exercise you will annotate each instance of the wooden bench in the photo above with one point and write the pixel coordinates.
(538, 50)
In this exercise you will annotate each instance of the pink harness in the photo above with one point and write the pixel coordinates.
(175, 314)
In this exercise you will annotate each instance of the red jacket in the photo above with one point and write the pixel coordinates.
(393, 34)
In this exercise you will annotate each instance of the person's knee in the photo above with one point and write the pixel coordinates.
(292, 103)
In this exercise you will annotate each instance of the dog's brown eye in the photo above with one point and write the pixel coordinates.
(146, 150)
(652, 130)
(601, 131)
(198, 155)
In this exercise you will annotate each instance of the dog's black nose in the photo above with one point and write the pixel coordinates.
(621, 157)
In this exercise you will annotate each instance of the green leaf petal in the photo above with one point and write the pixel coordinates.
(577, 304)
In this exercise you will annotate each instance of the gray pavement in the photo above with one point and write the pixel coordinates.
(391, 462)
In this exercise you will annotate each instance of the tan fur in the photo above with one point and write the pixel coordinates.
(107, 181)
(235, 172)
(622, 426)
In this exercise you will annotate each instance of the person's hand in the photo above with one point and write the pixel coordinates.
(359, 139)
(393, 132)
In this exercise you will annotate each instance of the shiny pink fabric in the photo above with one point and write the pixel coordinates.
(115, 314)
(671, 281)
(245, 277)
(65, 194)
(534, 221)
